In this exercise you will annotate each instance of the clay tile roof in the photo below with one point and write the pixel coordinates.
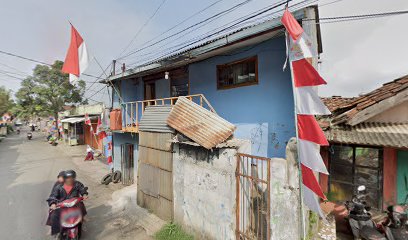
(344, 109)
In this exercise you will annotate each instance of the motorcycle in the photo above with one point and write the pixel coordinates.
(70, 218)
(360, 219)
(395, 224)
(29, 135)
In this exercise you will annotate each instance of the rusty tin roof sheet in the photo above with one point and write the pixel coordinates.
(375, 134)
(197, 123)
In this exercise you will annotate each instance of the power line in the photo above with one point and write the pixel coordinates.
(181, 22)
(143, 26)
(226, 28)
(185, 29)
(240, 22)
(36, 61)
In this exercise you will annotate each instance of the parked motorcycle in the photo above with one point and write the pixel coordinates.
(71, 218)
(29, 135)
(396, 223)
(360, 219)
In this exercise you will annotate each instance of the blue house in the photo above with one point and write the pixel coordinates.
(239, 74)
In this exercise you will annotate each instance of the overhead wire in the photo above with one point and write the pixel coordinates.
(248, 17)
(187, 28)
(142, 27)
(207, 33)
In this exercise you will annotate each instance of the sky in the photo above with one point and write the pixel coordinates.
(357, 56)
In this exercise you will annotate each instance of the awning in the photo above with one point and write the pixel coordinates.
(375, 134)
(73, 120)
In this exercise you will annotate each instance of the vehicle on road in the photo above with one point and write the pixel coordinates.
(70, 218)
(29, 135)
(360, 219)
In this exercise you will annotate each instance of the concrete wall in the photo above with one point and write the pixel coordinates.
(263, 112)
(396, 114)
(204, 191)
(122, 138)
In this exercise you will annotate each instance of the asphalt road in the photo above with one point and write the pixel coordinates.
(28, 169)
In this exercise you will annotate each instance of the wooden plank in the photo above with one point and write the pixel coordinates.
(166, 184)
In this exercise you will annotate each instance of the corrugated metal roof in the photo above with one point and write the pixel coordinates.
(232, 143)
(73, 120)
(200, 125)
(154, 119)
(375, 134)
(212, 42)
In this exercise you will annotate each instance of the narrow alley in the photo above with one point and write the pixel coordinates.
(28, 170)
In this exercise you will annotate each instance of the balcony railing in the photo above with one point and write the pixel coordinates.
(132, 112)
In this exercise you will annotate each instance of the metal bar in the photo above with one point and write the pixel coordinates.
(252, 178)
(237, 197)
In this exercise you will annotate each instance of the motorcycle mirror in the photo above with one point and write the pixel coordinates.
(361, 188)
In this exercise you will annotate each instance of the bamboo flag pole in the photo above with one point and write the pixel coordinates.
(302, 225)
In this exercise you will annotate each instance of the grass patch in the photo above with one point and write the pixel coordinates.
(172, 231)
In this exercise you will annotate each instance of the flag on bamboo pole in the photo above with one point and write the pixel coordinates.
(305, 80)
(99, 126)
(77, 58)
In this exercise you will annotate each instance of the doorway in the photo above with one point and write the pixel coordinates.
(402, 176)
(150, 90)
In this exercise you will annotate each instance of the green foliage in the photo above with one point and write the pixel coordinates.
(172, 231)
(47, 91)
(6, 103)
(312, 228)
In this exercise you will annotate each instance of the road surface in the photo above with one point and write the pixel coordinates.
(28, 170)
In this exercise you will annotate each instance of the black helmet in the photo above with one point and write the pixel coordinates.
(61, 174)
(70, 174)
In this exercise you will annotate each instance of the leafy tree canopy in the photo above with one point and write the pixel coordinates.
(6, 102)
(47, 91)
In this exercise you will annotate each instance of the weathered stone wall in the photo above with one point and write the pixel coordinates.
(204, 191)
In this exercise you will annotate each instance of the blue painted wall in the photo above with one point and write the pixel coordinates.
(263, 113)
(267, 107)
(162, 88)
(122, 138)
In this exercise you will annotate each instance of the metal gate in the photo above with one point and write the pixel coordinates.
(253, 199)
(127, 163)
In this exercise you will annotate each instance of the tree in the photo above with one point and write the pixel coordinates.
(47, 91)
(6, 102)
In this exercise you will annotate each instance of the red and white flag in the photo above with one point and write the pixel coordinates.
(77, 59)
(87, 120)
(305, 80)
(99, 126)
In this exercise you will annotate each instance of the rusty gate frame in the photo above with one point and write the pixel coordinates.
(241, 175)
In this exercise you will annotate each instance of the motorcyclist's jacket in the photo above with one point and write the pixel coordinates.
(59, 194)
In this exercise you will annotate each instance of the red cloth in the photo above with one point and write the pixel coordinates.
(305, 75)
(68, 188)
(310, 181)
(109, 160)
(291, 25)
(102, 135)
(71, 63)
(309, 129)
(89, 156)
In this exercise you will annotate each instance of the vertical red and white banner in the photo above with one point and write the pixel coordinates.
(77, 59)
(310, 136)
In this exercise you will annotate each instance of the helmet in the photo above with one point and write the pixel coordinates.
(70, 174)
(61, 174)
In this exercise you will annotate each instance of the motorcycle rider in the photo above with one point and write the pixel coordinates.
(71, 188)
(60, 180)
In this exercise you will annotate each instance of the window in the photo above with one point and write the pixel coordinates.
(240, 73)
(179, 87)
(351, 166)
